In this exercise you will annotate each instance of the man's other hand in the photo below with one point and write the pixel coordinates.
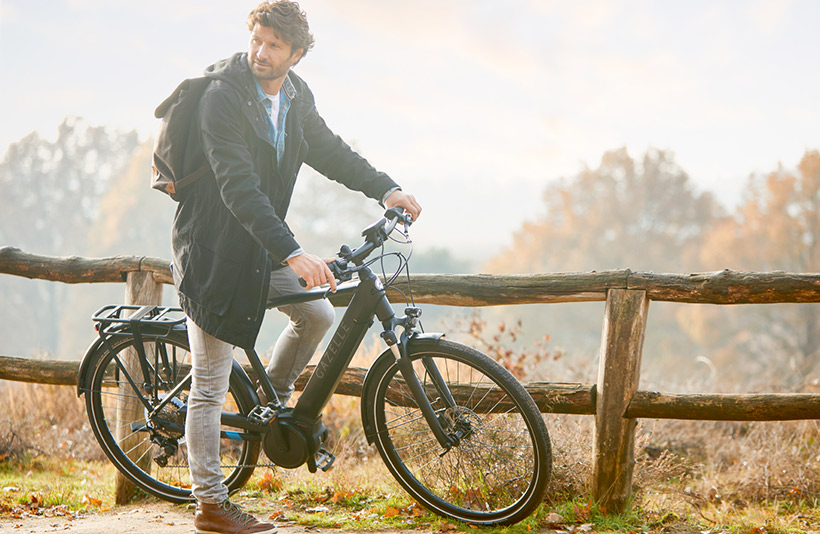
(401, 199)
(313, 270)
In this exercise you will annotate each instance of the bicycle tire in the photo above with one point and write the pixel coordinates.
(113, 425)
(497, 474)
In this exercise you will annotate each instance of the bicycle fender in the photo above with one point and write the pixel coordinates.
(84, 373)
(374, 373)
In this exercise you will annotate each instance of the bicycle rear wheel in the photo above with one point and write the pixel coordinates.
(499, 470)
(150, 448)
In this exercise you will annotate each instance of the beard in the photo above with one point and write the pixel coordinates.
(267, 71)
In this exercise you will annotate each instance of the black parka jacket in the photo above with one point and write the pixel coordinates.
(229, 228)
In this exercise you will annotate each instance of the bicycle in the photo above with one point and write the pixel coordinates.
(457, 431)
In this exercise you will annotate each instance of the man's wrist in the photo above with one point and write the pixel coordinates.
(297, 252)
(389, 192)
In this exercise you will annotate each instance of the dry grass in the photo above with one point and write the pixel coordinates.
(713, 473)
(43, 420)
(716, 462)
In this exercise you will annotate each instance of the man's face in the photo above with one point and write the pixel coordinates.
(270, 57)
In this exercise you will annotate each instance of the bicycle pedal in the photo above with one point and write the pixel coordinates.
(262, 415)
(324, 459)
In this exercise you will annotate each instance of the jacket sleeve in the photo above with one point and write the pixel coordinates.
(332, 157)
(237, 179)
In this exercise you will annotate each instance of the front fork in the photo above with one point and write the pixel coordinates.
(398, 346)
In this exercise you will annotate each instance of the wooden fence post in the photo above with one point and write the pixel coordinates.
(618, 375)
(140, 289)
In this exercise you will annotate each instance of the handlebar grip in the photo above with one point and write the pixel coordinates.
(334, 269)
(400, 214)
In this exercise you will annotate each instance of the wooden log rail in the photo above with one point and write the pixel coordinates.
(721, 287)
(614, 400)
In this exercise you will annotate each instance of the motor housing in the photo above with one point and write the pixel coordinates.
(292, 442)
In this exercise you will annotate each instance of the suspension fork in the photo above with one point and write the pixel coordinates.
(398, 346)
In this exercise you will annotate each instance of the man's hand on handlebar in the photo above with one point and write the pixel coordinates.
(313, 270)
(399, 198)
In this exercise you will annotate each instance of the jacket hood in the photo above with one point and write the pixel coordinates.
(233, 70)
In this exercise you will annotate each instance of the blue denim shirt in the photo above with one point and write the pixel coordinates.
(277, 130)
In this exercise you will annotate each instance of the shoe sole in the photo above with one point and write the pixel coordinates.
(269, 531)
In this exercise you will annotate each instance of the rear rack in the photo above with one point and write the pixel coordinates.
(148, 321)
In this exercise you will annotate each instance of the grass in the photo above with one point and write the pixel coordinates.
(53, 486)
(690, 477)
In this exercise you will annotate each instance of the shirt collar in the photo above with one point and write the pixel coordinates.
(287, 86)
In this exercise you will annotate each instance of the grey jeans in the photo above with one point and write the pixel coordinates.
(211, 369)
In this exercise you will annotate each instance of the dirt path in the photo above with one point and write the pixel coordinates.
(142, 518)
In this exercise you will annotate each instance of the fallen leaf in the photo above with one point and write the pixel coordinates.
(391, 512)
(553, 519)
(582, 512)
(416, 510)
(318, 510)
(341, 496)
(91, 501)
(269, 483)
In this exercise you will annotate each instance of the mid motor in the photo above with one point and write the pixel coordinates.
(291, 443)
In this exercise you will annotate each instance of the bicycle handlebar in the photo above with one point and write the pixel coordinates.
(375, 235)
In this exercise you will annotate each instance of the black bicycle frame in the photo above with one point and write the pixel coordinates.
(368, 301)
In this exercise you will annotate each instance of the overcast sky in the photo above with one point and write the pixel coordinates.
(469, 104)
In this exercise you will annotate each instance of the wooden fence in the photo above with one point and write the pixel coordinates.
(614, 400)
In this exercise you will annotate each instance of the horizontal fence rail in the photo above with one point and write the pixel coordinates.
(551, 397)
(721, 287)
(615, 400)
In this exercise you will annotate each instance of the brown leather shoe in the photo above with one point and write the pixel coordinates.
(227, 518)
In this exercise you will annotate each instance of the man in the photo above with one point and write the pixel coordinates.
(257, 123)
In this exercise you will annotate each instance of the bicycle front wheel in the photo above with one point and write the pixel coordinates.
(498, 471)
(146, 444)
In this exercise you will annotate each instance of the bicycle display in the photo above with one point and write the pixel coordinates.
(457, 431)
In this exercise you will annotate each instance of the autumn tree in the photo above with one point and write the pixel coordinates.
(642, 214)
(49, 200)
(775, 228)
(132, 219)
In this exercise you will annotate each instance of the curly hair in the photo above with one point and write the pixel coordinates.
(287, 18)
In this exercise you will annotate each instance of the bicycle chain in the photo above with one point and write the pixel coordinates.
(227, 466)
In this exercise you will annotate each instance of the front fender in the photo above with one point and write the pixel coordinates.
(371, 380)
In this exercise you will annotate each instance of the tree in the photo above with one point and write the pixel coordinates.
(132, 219)
(51, 190)
(644, 215)
(49, 198)
(624, 214)
(776, 228)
